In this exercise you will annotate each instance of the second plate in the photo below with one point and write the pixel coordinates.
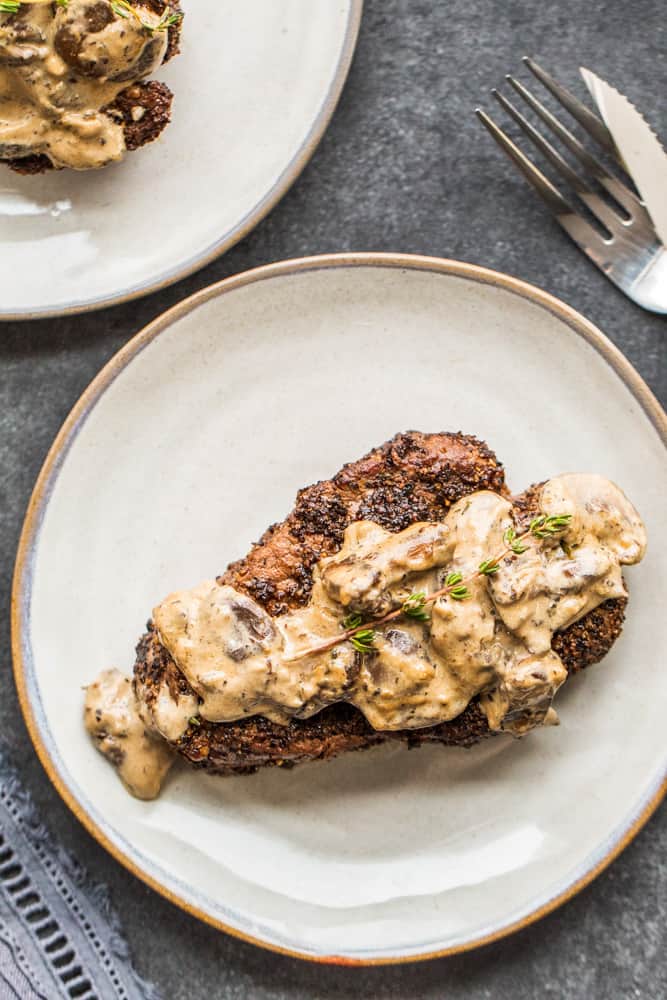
(254, 88)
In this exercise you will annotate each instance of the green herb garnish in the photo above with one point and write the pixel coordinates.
(125, 9)
(362, 634)
(415, 607)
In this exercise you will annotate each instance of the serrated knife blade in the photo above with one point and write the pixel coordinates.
(639, 147)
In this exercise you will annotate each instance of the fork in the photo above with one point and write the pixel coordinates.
(629, 251)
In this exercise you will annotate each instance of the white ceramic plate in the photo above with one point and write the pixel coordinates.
(255, 87)
(193, 440)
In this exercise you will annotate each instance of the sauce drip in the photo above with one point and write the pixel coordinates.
(59, 68)
(112, 717)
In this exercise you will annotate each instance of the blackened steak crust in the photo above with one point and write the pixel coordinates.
(155, 99)
(413, 477)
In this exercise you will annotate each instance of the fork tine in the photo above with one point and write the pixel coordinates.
(590, 122)
(597, 205)
(581, 231)
(542, 184)
(619, 191)
(588, 160)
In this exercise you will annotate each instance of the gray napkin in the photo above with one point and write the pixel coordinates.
(59, 936)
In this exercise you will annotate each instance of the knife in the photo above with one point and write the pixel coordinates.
(639, 147)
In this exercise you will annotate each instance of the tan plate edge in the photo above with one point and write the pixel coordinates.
(288, 177)
(68, 433)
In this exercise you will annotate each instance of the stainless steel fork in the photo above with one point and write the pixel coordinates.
(629, 252)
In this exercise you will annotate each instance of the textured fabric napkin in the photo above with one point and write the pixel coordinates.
(59, 936)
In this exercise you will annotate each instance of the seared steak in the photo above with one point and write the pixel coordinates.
(414, 477)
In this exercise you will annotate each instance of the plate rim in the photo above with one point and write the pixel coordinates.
(251, 220)
(24, 676)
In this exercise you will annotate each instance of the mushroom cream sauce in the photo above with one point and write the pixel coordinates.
(59, 67)
(496, 645)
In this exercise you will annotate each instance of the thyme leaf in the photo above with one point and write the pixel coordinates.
(544, 527)
(415, 607)
(363, 640)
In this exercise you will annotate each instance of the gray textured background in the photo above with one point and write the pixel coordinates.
(403, 166)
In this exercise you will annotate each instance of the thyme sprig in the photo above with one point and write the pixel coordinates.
(362, 634)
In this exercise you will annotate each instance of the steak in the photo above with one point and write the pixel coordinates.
(413, 477)
(144, 108)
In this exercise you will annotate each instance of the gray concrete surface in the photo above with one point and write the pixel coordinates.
(404, 166)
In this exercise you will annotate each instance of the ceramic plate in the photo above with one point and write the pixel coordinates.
(193, 440)
(255, 87)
